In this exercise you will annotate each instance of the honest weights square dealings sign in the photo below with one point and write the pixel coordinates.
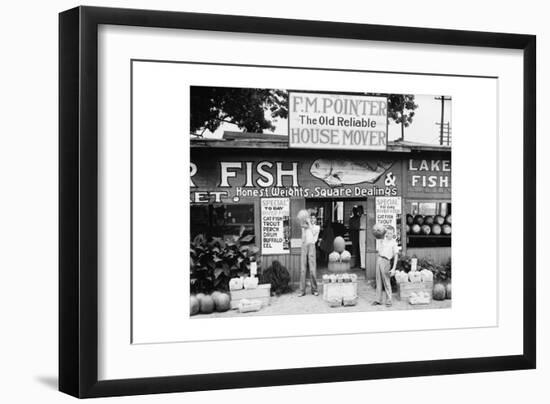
(337, 121)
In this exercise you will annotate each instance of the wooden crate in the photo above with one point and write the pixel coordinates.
(339, 290)
(262, 293)
(405, 289)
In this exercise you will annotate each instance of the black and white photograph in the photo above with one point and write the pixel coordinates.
(250, 202)
(308, 202)
(247, 202)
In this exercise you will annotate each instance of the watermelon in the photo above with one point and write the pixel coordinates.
(235, 284)
(410, 219)
(345, 256)
(427, 275)
(419, 220)
(446, 229)
(415, 276)
(339, 244)
(334, 256)
(401, 276)
(302, 216)
(439, 219)
(436, 229)
(206, 304)
(426, 229)
(448, 219)
(221, 301)
(379, 231)
(415, 229)
(439, 292)
(448, 289)
(250, 282)
(398, 276)
(429, 220)
(407, 228)
(194, 305)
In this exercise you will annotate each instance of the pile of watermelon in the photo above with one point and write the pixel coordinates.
(206, 304)
(335, 256)
(442, 291)
(423, 275)
(340, 254)
(420, 297)
(339, 278)
(429, 225)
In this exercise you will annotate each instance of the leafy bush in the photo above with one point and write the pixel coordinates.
(441, 272)
(404, 263)
(446, 272)
(278, 276)
(214, 262)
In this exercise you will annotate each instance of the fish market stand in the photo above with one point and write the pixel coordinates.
(253, 185)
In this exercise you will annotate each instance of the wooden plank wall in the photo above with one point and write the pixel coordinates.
(290, 261)
(440, 255)
(371, 242)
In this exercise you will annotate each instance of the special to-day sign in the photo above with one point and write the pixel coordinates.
(275, 222)
(387, 209)
(337, 121)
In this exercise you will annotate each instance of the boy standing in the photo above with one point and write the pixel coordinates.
(310, 235)
(387, 249)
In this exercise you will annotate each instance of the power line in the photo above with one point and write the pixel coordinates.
(442, 122)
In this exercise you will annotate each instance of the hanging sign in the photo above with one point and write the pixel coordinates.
(337, 121)
(213, 179)
(275, 224)
(429, 176)
(387, 209)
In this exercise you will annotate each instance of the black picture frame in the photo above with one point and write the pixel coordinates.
(78, 200)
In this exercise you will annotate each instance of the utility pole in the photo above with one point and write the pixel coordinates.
(442, 123)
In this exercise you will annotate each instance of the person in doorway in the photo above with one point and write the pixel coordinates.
(387, 250)
(353, 227)
(362, 236)
(327, 240)
(310, 234)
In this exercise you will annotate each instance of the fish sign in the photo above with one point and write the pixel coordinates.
(429, 176)
(339, 172)
(337, 121)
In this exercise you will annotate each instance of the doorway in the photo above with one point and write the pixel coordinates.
(338, 217)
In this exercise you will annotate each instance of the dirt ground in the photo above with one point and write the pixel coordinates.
(291, 303)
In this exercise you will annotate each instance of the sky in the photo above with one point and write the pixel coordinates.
(422, 130)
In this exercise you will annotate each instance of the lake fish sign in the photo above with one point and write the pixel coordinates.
(337, 121)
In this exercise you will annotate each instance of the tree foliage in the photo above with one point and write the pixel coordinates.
(248, 108)
(401, 109)
(244, 107)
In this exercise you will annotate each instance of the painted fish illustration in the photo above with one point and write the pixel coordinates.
(339, 172)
